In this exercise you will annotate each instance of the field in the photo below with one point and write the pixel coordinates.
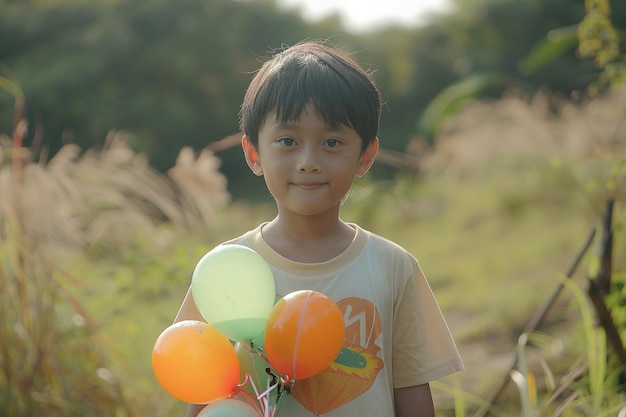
(98, 250)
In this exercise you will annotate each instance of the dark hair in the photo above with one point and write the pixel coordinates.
(341, 91)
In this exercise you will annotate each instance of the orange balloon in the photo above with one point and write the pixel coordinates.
(195, 363)
(304, 334)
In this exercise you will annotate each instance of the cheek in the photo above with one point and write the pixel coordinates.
(343, 182)
(275, 175)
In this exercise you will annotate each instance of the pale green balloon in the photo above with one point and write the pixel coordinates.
(233, 288)
(229, 408)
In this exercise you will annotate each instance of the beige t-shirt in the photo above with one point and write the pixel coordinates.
(395, 337)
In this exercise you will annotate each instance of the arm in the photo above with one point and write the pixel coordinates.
(415, 401)
(188, 309)
(194, 409)
(423, 349)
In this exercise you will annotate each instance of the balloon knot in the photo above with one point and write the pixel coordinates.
(286, 382)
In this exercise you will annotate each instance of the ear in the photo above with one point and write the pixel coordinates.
(252, 156)
(367, 158)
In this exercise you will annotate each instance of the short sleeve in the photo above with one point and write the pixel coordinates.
(423, 348)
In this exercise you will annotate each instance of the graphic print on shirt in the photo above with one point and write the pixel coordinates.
(356, 367)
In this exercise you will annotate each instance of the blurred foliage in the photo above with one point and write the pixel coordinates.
(600, 40)
(173, 73)
(452, 99)
(102, 200)
(556, 43)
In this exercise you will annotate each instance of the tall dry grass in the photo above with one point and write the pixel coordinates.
(105, 197)
(561, 148)
(52, 359)
(50, 363)
(517, 126)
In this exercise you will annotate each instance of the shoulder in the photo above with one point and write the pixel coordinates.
(388, 259)
(377, 244)
(246, 239)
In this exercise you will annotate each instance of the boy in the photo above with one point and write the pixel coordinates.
(310, 122)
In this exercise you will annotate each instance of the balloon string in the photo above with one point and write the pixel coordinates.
(285, 383)
(275, 384)
(257, 351)
(300, 326)
(264, 397)
(254, 351)
(243, 392)
(256, 400)
(246, 379)
(266, 393)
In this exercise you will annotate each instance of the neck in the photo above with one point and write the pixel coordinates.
(304, 228)
(309, 240)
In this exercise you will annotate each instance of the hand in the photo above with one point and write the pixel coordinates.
(415, 401)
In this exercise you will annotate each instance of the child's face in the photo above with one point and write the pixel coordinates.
(308, 166)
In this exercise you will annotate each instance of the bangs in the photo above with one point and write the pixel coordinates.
(316, 84)
(305, 80)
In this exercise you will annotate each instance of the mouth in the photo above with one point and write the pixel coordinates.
(308, 185)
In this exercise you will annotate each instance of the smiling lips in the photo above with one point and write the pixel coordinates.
(308, 185)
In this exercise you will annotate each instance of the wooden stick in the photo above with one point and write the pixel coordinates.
(600, 286)
(533, 324)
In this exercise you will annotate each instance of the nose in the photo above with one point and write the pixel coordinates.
(309, 160)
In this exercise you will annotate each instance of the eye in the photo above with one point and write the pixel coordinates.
(332, 143)
(288, 142)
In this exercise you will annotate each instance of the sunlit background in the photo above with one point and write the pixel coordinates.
(368, 15)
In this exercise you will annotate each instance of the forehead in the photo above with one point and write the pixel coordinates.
(309, 117)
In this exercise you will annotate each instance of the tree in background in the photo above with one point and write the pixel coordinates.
(173, 73)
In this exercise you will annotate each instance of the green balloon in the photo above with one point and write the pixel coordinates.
(233, 288)
(229, 408)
